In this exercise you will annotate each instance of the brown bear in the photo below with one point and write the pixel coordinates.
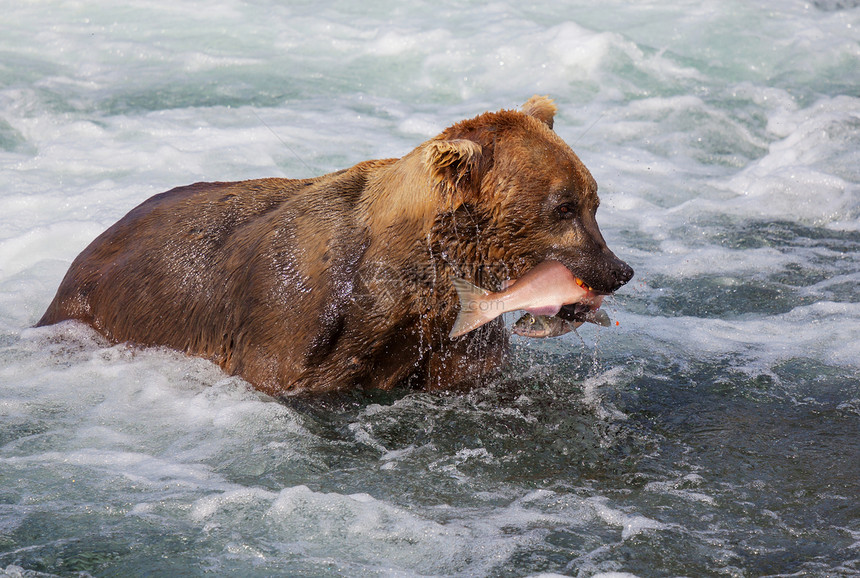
(345, 280)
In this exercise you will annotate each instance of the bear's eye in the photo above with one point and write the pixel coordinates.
(565, 211)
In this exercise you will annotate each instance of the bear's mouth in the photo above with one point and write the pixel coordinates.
(591, 290)
(583, 311)
(576, 312)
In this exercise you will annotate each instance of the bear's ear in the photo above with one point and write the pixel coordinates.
(453, 164)
(542, 108)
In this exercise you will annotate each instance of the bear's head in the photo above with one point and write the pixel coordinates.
(536, 199)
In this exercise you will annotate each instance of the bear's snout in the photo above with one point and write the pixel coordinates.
(621, 273)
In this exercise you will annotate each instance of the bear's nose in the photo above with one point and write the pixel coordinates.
(621, 273)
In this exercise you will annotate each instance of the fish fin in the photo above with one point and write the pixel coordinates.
(598, 317)
(470, 316)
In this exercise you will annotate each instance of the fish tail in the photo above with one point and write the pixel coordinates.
(471, 315)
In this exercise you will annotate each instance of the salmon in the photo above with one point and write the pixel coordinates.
(539, 326)
(541, 291)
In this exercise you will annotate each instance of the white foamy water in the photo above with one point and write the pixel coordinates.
(713, 431)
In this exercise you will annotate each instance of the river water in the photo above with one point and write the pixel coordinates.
(714, 431)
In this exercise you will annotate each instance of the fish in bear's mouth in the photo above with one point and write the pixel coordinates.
(582, 311)
(547, 291)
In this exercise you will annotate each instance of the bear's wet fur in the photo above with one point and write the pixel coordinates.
(343, 280)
